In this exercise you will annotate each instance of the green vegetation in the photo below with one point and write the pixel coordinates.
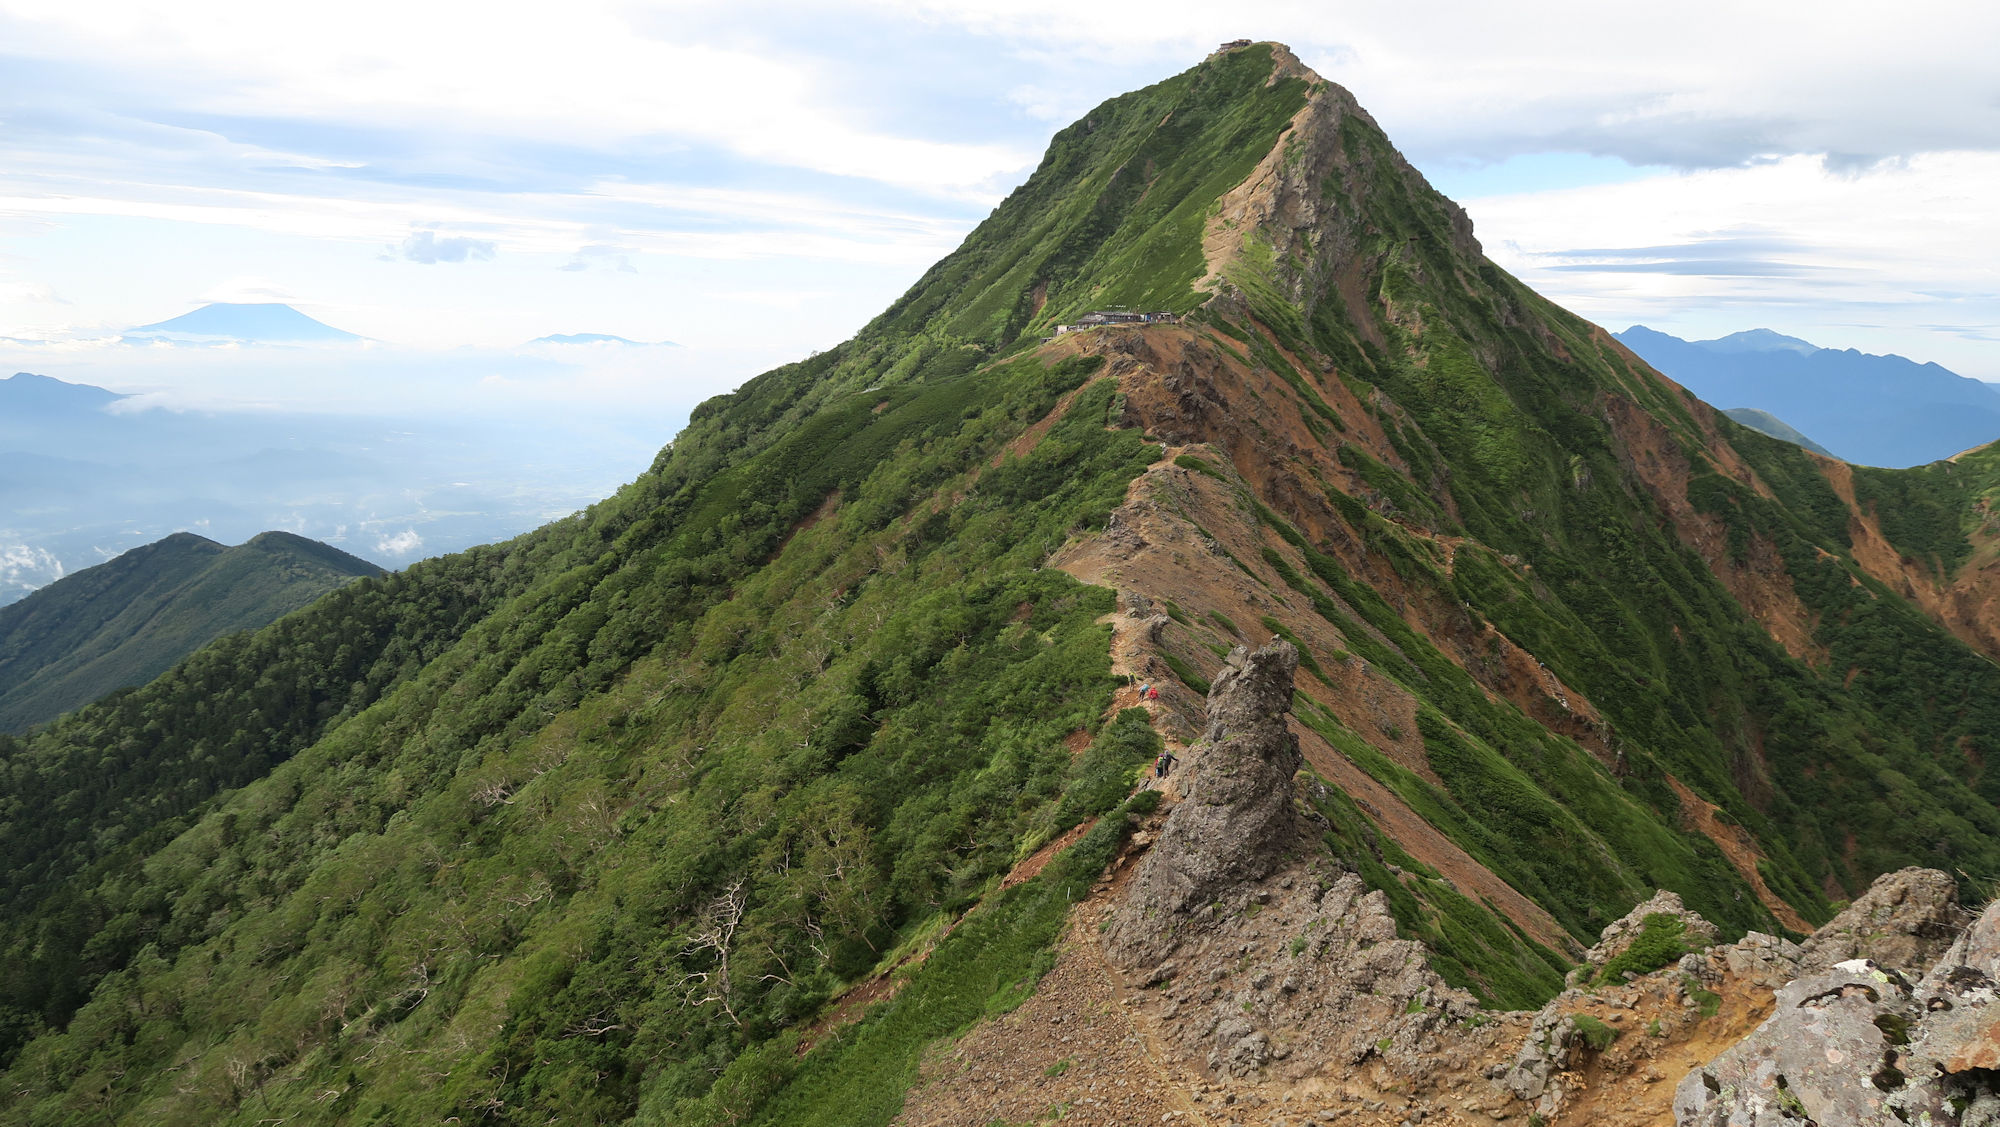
(1474, 947)
(126, 621)
(1662, 939)
(594, 826)
(1199, 465)
(1114, 214)
(1595, 1033)
(1185, 673)
(760, 723)
(988, 965)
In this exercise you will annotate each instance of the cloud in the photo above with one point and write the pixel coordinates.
(30, 293)
(1723, 257)
(1787, 244)
(602, 256)
(402, 543)
(24, 567)
(248, 290)
(426, 247)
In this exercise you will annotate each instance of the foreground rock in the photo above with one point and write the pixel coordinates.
(1858, 1042)
(1904, 921)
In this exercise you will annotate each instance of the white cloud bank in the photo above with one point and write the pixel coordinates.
(1901, 255)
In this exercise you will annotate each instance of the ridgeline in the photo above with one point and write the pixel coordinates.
(728, 799)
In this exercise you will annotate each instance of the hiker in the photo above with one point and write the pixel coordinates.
(1152, 693)
(1144, 689)
(1164, 765)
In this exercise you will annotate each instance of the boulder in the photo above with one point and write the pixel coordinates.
(1856, 1043)
(1905, 921)
(1827, 1054)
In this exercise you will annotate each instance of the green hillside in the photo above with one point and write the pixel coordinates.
(125, 621)
(1765, 422)
(594, 826)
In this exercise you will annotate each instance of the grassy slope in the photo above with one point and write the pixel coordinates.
(310, 897)
(1495, 400)
(126, 621)
(594, 846)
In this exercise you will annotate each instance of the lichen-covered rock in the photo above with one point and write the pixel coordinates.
(1827, 1054)
(1237, 821)
(1761, 960)
(1905, 920)
(1856, 1044)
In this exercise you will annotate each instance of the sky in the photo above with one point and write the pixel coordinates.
(752, 181)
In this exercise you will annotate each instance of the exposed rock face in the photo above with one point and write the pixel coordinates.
(1237, 821)
(1904, 921)
(1296, 976)
(1270, 961)
(1856, 1043)
(1317, 234)
(1616, 939)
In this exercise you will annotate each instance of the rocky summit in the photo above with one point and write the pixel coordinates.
(1217, 650)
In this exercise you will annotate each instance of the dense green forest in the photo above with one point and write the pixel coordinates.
(127, 620)
(592, 826)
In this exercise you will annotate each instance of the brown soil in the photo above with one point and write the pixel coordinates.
(825, 509)
(849, 1008)
(1760, 583)
(1966, 603)
(1032, 866)
(1739, 847)
(1631, 1083)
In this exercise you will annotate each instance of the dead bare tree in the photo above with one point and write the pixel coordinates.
(717, 937)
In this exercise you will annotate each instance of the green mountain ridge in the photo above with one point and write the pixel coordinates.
(602, 824)
(1765, 422)
(127, 620)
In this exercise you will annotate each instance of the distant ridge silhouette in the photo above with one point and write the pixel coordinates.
(272, 322)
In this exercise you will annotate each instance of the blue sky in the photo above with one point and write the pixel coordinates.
(755, 180)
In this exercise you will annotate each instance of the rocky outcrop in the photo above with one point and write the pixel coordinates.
(1237, 821)
(1828, 1054)
(1301, 973)
(1269, 958)
(1555, 1042)
(1858, 1043)
(1905, 921)
(1615, 940)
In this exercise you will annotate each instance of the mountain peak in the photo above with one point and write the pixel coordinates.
(1758, 340)
(251, 322)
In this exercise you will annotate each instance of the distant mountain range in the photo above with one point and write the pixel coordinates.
(600, 338)
(255, 322)
(126, 621)
(83, 477)
(1872, 410)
